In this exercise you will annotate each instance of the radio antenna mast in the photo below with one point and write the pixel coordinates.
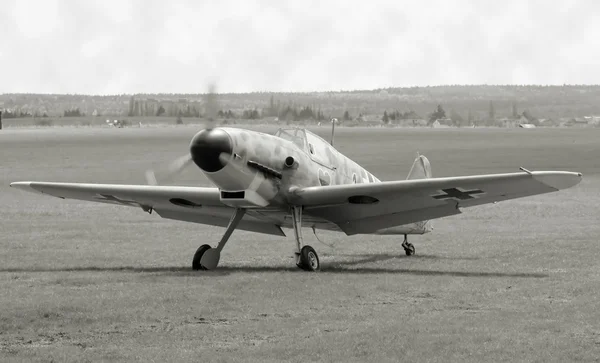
(333, 121)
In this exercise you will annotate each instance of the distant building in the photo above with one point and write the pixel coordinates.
(442, 122)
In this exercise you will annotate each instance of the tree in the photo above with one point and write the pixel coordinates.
(532, 119)
(347, 116)
(320, 115)
(172, 110)
(160, 111)
(136, 108)
(273, 109)
(288, 113)
(456, 118)
(131, 106)
(306, 113)
(74, 112)
(492, 111)
(408, 115)
(251, 114)
(385, 118)
(437, 114)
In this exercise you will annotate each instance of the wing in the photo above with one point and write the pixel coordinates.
(190, 204)
(366, 208)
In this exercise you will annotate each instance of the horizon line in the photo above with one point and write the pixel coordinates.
(304, 92)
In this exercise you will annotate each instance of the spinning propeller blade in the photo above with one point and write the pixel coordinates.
(211, 109)
(173, 169)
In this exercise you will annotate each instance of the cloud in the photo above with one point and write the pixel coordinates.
(135, 46)
(34, 19)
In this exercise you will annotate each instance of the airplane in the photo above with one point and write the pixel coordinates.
(294, 179)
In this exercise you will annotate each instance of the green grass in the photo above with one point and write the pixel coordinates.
(515, 281)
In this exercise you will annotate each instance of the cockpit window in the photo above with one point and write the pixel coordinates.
(297, 136)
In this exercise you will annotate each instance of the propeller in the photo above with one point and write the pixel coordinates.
(175, 167)
(211, 108)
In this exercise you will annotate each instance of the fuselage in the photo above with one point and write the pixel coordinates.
(240, 160)
(257, 170)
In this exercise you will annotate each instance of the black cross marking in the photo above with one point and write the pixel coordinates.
(112, 198)
(454, 193)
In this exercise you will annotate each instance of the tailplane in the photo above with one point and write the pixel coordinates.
(421, 168)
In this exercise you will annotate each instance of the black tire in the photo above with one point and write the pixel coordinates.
(309, 260)
(409, 249)
(198, 256)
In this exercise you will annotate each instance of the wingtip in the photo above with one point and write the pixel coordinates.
(559, 180)
(20, 185)
(24, 185)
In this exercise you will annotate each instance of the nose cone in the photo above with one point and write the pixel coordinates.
(206, 148)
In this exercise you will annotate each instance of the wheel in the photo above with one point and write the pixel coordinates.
(409, 249)
(198, 256)
(309, 260)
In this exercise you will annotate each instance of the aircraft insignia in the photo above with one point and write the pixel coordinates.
(457, 194)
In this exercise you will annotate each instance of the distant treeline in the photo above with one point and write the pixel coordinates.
(466, 102)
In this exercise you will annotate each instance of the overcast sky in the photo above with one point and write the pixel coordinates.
(108, 47)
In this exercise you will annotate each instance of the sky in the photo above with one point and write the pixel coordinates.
(147, 46)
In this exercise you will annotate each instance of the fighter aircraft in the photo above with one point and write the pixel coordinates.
(294, 179)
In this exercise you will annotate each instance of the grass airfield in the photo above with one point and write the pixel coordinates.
(514, 281)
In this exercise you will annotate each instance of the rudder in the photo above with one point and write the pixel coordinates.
(421, 168)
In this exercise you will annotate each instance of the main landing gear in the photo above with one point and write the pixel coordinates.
(306, 256)
(409, 248)
(206, 257)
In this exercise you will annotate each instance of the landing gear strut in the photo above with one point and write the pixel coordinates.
(206, 257)
(409, 248)
(306, 256)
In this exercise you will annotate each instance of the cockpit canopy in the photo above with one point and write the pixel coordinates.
(295, 135)
(318, 149)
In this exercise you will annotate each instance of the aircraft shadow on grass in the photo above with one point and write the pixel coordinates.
(340, 267)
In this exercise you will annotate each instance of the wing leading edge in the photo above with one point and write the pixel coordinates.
(366, 208)
(190, 204)
(354, 208)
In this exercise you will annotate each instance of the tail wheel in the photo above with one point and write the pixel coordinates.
(309, 260)
(198, 256)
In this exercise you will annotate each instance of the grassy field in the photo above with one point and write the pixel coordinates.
(515, 281)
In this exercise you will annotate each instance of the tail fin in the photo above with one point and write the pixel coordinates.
(421, 168)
